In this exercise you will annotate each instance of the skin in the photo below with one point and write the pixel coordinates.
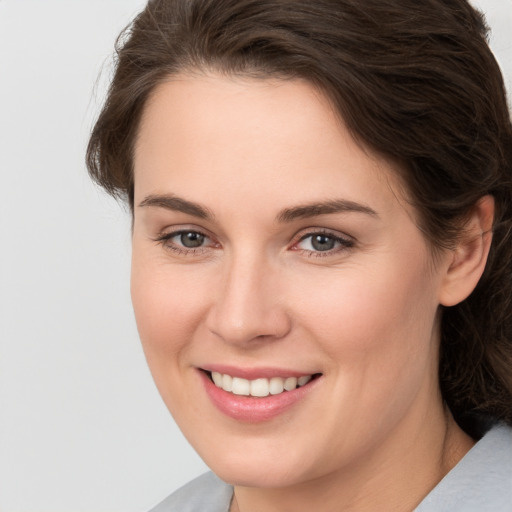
(373, 432)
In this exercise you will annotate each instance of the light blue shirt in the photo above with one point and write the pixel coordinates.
(480, 482)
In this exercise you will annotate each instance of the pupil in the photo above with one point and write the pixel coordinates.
(322, 242)
(192, 239)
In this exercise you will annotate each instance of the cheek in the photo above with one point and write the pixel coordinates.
(381, 313)
(168, 308)
(375, 328)
(168, 303)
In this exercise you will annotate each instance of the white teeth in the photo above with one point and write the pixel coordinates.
(217, 378)
(302, 381)
(290, 383)
(259, 387)
(241, 386)
(227, 383)
(276, 385)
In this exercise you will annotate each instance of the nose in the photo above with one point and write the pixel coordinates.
(248, 305)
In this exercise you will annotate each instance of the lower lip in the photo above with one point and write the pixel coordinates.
(252, 409)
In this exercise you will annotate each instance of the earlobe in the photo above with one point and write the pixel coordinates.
(468, 259)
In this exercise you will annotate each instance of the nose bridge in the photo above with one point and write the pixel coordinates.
(247, 306)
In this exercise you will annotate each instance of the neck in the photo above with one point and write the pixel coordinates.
(394, 477)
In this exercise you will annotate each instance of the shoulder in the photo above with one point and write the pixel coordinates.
(481, 481)
(206, 493)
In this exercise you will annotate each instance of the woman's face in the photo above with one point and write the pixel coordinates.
(267, 246)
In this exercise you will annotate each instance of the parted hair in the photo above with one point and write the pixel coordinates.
(413, 80)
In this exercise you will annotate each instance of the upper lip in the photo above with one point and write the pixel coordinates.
(256, 372)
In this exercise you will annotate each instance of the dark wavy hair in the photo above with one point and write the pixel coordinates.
(413, 80)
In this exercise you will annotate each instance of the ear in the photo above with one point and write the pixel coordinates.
(467, 261)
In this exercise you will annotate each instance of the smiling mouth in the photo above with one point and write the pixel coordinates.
(261, 387)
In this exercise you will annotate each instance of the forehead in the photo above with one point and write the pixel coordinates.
(253, 137)
(247, 110)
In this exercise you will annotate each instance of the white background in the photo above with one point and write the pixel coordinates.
(82, 427)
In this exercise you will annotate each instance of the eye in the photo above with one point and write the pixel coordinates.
(185, 241)
(318, 242)
(323, 242)
(189, 239)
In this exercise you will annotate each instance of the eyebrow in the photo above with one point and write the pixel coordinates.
(324, 208)
(175, 203)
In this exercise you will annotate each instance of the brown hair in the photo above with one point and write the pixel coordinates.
(414, 81)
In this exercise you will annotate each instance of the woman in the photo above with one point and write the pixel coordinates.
(321, 270)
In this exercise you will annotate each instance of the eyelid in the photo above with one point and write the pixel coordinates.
(164, 238)
(172, 230)
(345, 241)
(304, 233)
(167, 234)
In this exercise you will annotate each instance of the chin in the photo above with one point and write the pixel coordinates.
(263, 464)
(275, 474)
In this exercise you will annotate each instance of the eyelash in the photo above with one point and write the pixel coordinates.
(343, 243)
(165, 240)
